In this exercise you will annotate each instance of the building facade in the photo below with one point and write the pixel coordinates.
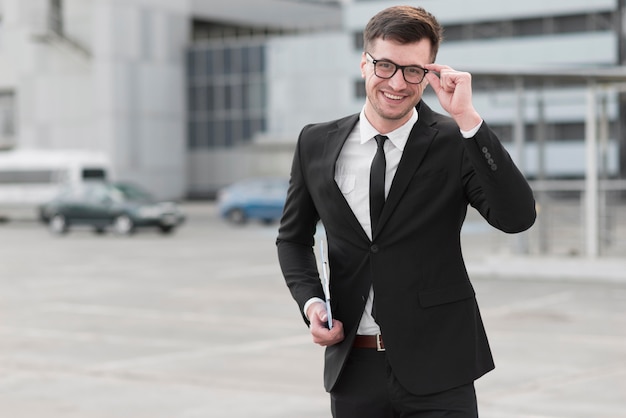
(102, 76)
(191, 95)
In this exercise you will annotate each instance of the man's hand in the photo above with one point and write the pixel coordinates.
(454, 91)
(319, 326)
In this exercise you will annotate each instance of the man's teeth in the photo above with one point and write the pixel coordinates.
(393, 97)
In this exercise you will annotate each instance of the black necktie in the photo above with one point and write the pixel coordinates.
(377, 182)
(377, 189)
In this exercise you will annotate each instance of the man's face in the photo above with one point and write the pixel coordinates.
(390, 101)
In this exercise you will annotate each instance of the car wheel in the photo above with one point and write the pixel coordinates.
(166, 229)
(123, 225)
(58, 224)
(237, 216)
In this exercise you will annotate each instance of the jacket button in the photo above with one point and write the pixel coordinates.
(374, 248)
(485, 150)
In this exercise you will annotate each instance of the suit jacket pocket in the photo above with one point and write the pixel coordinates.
(454, 293)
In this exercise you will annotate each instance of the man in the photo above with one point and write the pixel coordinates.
(407, 337)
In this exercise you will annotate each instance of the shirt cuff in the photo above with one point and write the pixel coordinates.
(472, 132)
(309, 303)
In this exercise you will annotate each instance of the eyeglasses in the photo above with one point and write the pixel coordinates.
(412, 74)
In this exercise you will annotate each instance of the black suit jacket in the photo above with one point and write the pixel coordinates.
(425, 303)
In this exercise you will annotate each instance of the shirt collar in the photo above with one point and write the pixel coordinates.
(398, 137)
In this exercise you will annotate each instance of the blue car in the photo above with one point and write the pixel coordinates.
(260, 199)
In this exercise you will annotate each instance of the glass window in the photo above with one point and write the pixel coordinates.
(229, 134)
(201, 133)
(227, 67)
(27, 176)
(215, 133)
(210, 133)
(503, 132)
(246, 129)
(359, 89)
(218, 98)
(259, 60)
(191, 135)
(235, 60)
(191, 104)
(357, 41)
(197, 134)
(224, 93)
(190, 61)
(209, 96)
(248, 60)
(237, 96)
(94, 174)
(228, 96)
(454, 33)
(566, 131)
(207, 58)
(604, 21)
(569, 24)
(577, 23)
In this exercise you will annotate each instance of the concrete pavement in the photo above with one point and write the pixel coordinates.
(200, 324)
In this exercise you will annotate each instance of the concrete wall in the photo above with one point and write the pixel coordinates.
(138, 56)
(125, 96)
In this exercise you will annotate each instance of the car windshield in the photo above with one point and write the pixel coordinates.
(133, 192)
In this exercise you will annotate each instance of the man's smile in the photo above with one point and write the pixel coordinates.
(393, 96)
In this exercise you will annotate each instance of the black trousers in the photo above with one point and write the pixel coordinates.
(368, 388)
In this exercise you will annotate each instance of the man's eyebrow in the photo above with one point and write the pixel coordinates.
(395, 63)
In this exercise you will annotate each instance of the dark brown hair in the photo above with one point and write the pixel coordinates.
(404, 24)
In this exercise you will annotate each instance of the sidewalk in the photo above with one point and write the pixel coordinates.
(200, 324)
(578, 268)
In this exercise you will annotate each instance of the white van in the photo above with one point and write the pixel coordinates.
(31, 177)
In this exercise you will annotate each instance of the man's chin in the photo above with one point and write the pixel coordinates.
(396, 114)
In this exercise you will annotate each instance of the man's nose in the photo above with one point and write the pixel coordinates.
(397, 81)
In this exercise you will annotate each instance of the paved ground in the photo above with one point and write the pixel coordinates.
(200, 324)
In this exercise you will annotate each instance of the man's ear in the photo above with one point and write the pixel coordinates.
(363, 64)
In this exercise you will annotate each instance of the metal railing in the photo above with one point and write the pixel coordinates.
(561, 226)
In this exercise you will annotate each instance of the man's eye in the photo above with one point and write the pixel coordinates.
(416, 71)
(385, 65)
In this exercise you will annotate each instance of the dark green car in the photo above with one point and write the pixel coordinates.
(120, 207)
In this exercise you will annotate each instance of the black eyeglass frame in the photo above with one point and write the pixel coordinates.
(398, 67)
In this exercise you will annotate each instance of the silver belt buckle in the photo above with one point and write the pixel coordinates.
(379, 346)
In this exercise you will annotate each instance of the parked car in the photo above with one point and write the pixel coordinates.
(122, 207)
(259, 199)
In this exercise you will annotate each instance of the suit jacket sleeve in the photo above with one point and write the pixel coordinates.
(495, 186)
(296, 237)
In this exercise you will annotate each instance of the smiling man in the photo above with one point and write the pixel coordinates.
(391, 186)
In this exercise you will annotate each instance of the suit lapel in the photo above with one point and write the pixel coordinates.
(332, 148)
(420, 138)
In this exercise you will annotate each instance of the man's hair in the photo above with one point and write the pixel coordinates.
(404, 24)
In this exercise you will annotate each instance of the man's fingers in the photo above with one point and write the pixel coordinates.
(324, 336)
